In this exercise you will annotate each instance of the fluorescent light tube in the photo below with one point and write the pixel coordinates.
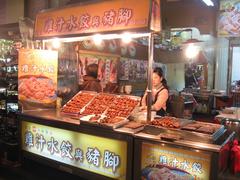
(208, 2)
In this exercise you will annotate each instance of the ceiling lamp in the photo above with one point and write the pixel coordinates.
(208, 2)
(191, 51)
(191, 40)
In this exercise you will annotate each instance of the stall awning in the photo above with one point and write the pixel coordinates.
(104, 17)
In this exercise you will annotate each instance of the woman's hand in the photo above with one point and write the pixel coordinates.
(143, 108)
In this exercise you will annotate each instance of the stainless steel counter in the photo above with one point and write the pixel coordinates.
(189, 139)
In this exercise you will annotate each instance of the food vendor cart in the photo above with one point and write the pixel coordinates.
(72, 140)
(54, 137)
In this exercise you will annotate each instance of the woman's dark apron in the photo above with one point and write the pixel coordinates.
(160, 112)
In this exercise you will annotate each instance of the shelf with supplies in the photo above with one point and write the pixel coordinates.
(8, 92)
(204, 103)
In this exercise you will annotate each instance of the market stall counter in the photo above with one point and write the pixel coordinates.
(182, 149)
(85, 149)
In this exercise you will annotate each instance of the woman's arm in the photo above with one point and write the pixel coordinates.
(161, 100)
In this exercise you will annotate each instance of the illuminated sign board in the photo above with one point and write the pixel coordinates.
(37, 77)
(104, 16)
(100, 155)
(175, 163)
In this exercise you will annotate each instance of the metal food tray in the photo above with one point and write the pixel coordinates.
(182, 122)
(129, 96)
(77, 114)
(129, 130)
(103, 114)
(185, 134)
(115, 125)
(106, 125)
(218, 132)
(83, 109)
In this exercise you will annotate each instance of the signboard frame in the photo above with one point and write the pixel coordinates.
(86, 129)
(150, 10)
(37, 78)
(138, 143)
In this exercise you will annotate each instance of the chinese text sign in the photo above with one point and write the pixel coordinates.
(90, 18)
(195, 164)
(37, 76)
(96, 154)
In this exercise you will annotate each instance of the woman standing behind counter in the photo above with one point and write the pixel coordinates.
(159, 93)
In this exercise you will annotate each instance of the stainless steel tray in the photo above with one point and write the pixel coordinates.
(186, 135)
(80, 113)
(128, 96)
(129, 130)
(80, 92)
(115, 125)
(214, 136)
(89, 104)
(106, 125)
(182, 123)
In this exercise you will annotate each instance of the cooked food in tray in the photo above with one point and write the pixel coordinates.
(36, 88)
(99, 104)
(206, 128)
(167, 122)
(108, 120)
(77, 102)
(133, 125)
(113, 122)
(122, 107)
(95, 118)
(69, 109)
(170, 137)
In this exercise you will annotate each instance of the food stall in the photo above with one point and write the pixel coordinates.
(62, 138)
(91, 134)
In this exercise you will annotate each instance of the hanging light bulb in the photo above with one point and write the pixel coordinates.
(126, 38)
(56, 43)
(191, 51)
(97, 39)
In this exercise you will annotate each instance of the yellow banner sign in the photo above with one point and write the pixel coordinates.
(37, 77)
(100, 155)
(102, 16)
(162, 161)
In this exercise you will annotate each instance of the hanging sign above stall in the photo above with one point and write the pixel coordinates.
(105, 16)
(228, 19)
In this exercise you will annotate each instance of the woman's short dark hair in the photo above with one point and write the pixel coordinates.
(159, 72)
(92, 70)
